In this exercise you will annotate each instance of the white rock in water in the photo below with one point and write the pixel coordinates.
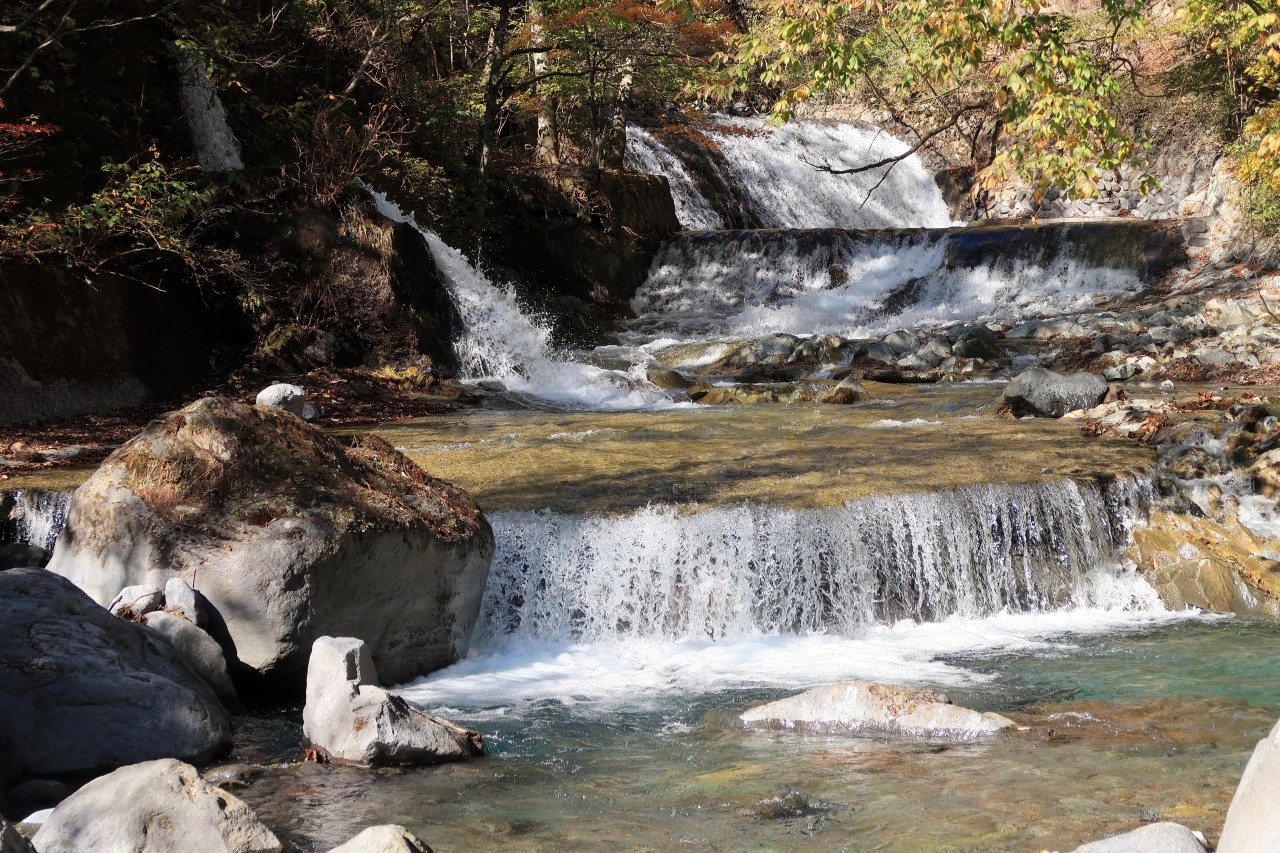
(291, 398)
(1253, 819)
(352, 720)
(157, 806)
(384, 839)
(140, 598)
(180, 598)
(853, 705)
(1153, 838)
(1166, 385)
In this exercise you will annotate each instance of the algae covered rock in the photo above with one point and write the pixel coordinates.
(851, 706)
(157, 806)
(82, 690)
(1210, 565)
(288, 533)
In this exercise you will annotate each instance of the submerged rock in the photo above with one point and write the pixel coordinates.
(158, 807)
(350, 719)
(84, 691)
(1044, 394)
(849, 390)
(384, 839)
(1253, 820)
(853, 705)
(1153, 838)
(792, 804)
(667, 379)
(288, 533)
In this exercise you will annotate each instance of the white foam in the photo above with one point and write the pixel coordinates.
(776, 173)
(640, 672)
(500, 342)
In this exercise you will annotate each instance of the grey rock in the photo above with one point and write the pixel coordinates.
(307, 535)
(914, 362)
(901, 341)
(975, 347)
(21, 556)
(39, 792)
(107, 692)
(666, 378)
(180, 598)
(948, 364)
(769, 350)
(882, 352)
(11, 841)
(849, 390)
(291, 398)
(1215, 357)
(158, 807)
(1253, 821)
(384, 839)
(351, 720)
(309, 412)
(934, 352)
(232, 776)
(1122, 372)
(201, 653)
(1026, 330)
(1168, 334)
(1044, 394)
(970, 330)
(851, 706)
(1152, 838)
(139, 599)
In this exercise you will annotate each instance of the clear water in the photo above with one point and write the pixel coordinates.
(1124, 725)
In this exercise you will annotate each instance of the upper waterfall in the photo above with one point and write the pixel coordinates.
(778, 176)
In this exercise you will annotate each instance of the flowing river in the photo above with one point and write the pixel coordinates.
(661, 563)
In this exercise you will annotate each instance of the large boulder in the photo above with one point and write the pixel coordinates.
(200, 652)
(851, 706)
(157, 807)
(1154, 838)
(1045, 394)
(384, 839)
(1253, 820)
(83, 691)
(289, 534)
(349, 719)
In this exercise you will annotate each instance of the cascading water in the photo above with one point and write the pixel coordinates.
(777, 174)
(35, 517)
(863, 283)
(728, 572)
(500, 341)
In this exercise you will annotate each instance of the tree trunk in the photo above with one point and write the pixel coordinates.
(547, 146)
(493, 80)
(616, 150)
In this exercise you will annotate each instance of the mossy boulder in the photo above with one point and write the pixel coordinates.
(290, 533)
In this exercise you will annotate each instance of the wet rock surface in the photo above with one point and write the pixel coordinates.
(287, 533)
(854, 705)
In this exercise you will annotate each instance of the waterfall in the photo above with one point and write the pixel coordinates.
(34, 517)
(729, 572)
(499, 341)
(864, 283)
(776, 175)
